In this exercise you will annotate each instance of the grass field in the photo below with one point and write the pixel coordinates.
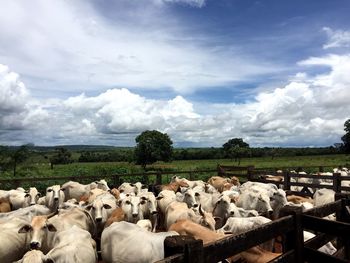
(41, 168)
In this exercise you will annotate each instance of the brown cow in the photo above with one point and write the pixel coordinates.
(5, 205)
(296, 199)
(116, 216)
(221, 184)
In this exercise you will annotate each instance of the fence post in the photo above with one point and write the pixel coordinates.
(190, 247)
(159, 177)
(294, 239)
(342, 216)
(116, 180)
(337, 182)
(191, 175)
(286, 181)
(250, 172)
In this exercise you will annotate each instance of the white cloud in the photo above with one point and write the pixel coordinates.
(307, 111)
(196, 3)
(337, 38)
(67, 45)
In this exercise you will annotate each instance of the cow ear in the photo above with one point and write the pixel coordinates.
(132, 185)
(25, 229)
(88, 207)
(106, 206)
(51, 227)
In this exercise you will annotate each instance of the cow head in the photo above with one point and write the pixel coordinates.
(99, 211)
(31, 196)
(38, 229)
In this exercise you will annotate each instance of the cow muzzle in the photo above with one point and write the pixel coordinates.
(34, 245)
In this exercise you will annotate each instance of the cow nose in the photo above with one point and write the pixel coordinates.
(195, 205)
(32, 204)
(134, 215)
(270, 212)
(98, 219)
(34, 245)
(56, 199)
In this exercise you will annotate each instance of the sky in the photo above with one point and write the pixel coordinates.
(275, 72)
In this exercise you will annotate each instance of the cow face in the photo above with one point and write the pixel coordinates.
(190, 199)
(31, 196)
(54, 196)
(38, 230)
(99, 211)
(132, 207)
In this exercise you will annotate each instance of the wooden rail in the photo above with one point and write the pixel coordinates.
(290, 226)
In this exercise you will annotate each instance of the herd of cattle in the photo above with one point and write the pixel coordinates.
(129, 223)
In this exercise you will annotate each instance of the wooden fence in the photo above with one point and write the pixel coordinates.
(289, 226)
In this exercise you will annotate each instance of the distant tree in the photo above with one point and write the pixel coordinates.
(346, 137)
(62, 156)
(236, 148)
(153, 146)
(18, 156)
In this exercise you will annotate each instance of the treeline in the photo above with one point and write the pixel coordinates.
(127, 155)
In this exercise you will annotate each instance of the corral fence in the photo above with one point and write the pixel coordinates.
(158, 177)
(289, 228)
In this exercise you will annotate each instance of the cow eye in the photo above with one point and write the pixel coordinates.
(49, 190)
(27, 195)
(142, 202)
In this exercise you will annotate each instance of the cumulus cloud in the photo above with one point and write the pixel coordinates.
(64, 45)
(308, 111)
(336, 38)
(17, 110)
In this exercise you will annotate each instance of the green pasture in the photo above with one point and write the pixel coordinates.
(41, 167)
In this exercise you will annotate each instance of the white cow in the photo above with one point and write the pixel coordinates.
(149, 209)
(133, 207)
(32, 256)
(76, 190)
(26, 213)
(12, 245)
(73, 245)
(323, 196)
(251, 200)
(101, 208)
(54, 197)
(225, 208)
(128, 243)
(328, 248)
(177, 210)
(20, 199)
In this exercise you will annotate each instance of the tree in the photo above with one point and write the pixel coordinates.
(153, 146)
(236, 148)
(346, 137)
(19, 156)
(62, 156)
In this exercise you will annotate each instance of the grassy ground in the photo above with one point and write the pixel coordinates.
(79, 169)
(41, 168)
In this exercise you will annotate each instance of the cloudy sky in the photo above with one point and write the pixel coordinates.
(275, 73)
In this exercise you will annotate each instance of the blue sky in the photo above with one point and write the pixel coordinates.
(276, 73)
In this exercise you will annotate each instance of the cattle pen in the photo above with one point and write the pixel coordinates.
(288, 229)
